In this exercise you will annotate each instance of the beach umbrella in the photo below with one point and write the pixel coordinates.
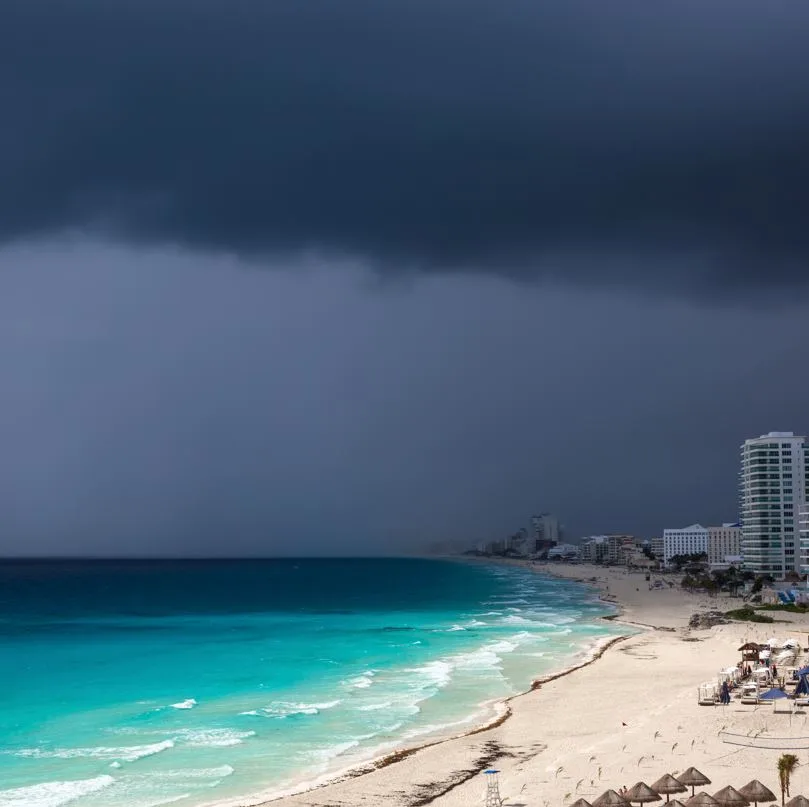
(798, 801)
(702, 800)
(641, 793)
(610, 799)
(693, 778)
(755, 791)
(667, 785)
(678, 803)
(730, 797)
(581, 803)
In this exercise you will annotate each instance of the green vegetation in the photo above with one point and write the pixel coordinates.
(748, 614)
(793, 608)
(787, 763)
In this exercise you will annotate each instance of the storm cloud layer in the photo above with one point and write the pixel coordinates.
(580, 141)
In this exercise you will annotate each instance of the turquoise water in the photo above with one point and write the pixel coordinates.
(142, 684)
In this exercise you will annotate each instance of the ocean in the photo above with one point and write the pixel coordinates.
(140, 684)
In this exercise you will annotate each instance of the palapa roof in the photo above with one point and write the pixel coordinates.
(678, 803)
(730, 797)
(755, 791)
(693, 778)
(750, 646)
(610, 799)
(642, 793)
(702, 800)
(798, 801)
(581, 803)
(668, 784)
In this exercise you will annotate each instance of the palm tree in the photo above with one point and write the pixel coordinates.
(786, 767)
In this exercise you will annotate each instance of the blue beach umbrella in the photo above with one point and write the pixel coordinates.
(772, 695)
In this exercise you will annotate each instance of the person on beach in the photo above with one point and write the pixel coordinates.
(724, 698)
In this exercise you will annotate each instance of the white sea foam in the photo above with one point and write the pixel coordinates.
(160, 801)
(219, 772)
(481, 659)
(513, 619)
(323, 755)
(362, 681)
(53, 794)
(279, 710)
(124, 754)
(212, 738)
(372, 707)
(433, 674)
(190, 703)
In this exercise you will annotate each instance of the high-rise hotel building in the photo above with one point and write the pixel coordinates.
(773, 478)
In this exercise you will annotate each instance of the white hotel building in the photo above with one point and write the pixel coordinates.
(772, 492)
(724, 544)
(803, 527)
(691, 540)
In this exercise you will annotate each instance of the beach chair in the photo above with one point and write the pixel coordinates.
(783, 706)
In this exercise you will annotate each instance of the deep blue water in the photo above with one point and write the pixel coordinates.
(147, 683)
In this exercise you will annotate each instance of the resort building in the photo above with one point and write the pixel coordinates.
(545, 531)
(656, 547)
(594, 549)
(691, 540)
(609, 548)
(771, 492)
(724, 542)
(564, 552)
(803, 527)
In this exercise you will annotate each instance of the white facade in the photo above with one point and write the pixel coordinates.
(564, 551)
(594, 549)
(803, 527)
(772, 491)
(724, 542)
(691, 540)
(656, 547)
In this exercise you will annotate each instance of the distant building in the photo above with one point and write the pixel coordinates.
(772, 491)
(594, 549)
(564, 552)
(545, 532)
(724, 542)
(656, 547)
(686, 541)
(620, 548)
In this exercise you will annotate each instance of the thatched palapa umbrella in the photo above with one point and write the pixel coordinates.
(702, 800)
(693, 778)
(675, 803)
(667, 784)
(755, 791)
(581, 803)
(798, 801)
(641, 793)
(730, 797)
(611, 799)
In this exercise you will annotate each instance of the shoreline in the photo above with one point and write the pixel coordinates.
(501, 706)
(576, 732)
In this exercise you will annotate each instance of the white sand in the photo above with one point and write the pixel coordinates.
(631, 715)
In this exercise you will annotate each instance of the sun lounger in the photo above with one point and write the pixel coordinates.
(783, 706)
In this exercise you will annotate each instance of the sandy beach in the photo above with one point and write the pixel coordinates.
(629, 715)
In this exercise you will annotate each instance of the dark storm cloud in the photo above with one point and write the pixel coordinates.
(161, 403)
(585, 141)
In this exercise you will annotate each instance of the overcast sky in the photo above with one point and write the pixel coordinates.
(292, 277)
